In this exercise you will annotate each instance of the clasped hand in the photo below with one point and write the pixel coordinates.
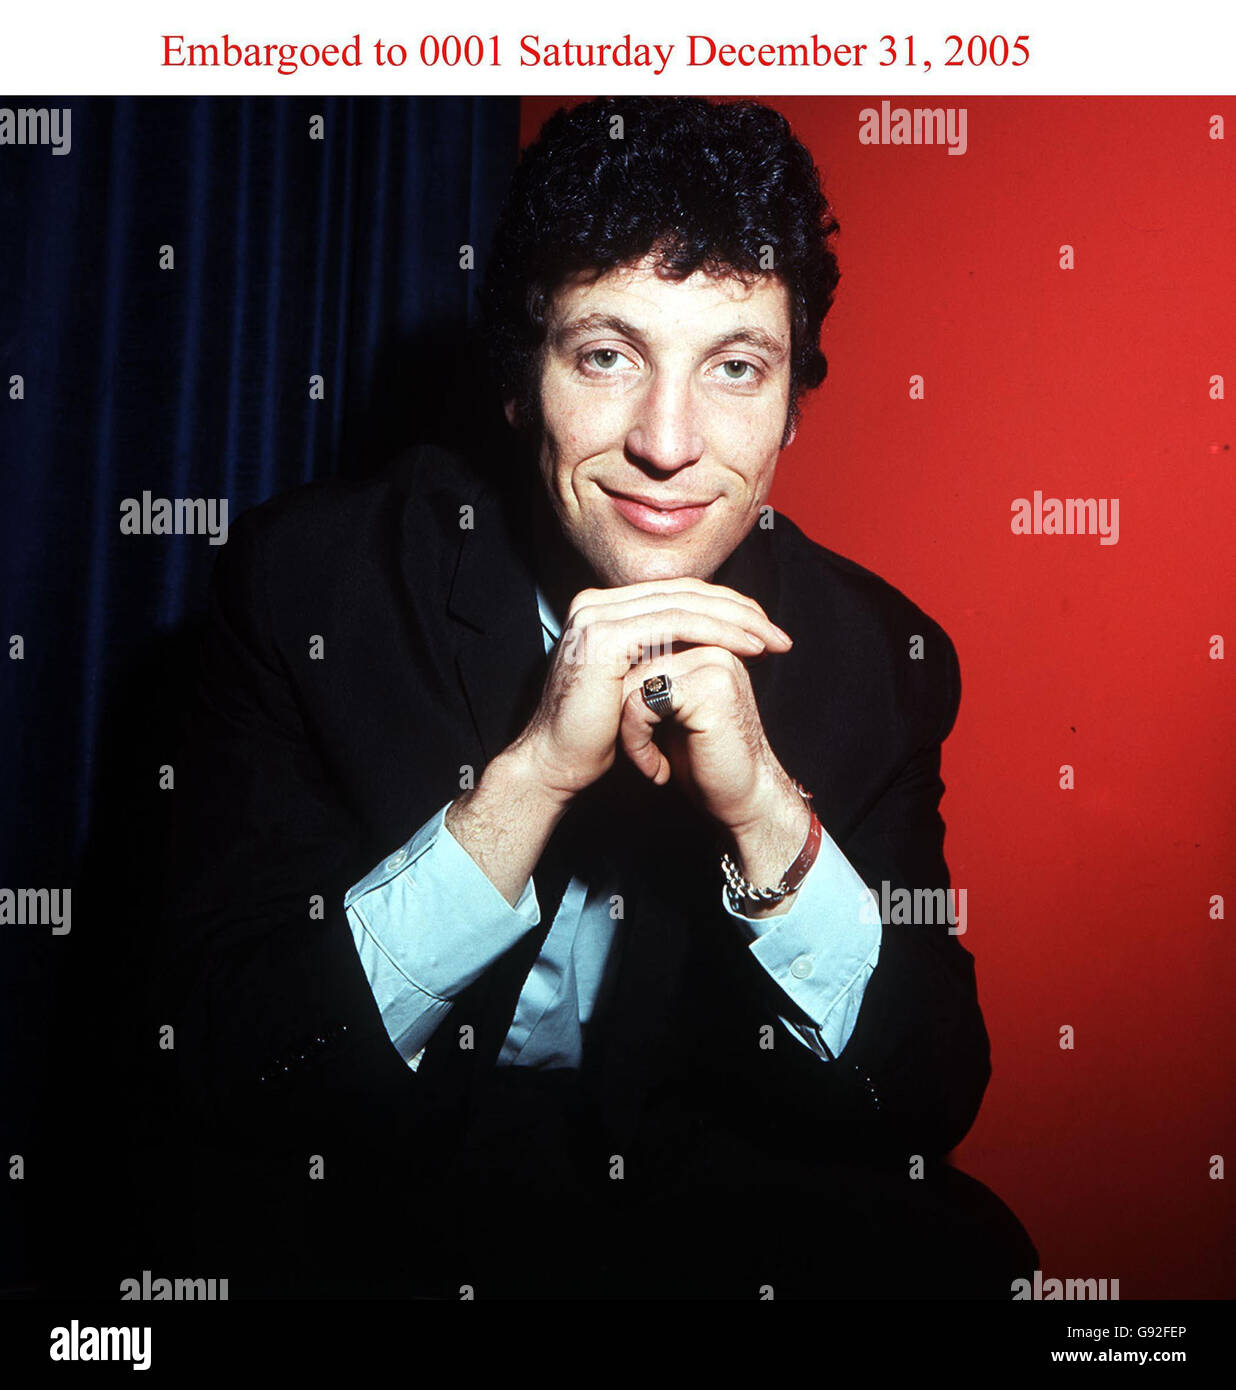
(700, 635)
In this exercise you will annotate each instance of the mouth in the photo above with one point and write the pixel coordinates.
(661, 516)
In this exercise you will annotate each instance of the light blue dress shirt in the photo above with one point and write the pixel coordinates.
(427, 922)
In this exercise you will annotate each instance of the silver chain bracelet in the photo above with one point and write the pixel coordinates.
(739, 889)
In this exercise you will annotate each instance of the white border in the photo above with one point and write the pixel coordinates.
(1076, 46)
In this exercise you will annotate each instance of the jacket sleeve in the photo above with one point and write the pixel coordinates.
(920, 1047)
(919, 1056)
(913, 1071)
(258, 968)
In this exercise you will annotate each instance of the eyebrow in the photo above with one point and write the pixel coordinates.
(756, 338)
(575, 328)
(566, 332)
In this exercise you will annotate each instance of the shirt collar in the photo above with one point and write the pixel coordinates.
(549, 621)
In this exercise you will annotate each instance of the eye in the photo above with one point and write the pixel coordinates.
(604, 360)
(738, 371)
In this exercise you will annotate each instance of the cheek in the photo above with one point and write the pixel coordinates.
(561, 458)
(750, 432)
(576, 441)
(755, 457)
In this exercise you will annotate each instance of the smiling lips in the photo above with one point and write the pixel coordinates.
(659, 517)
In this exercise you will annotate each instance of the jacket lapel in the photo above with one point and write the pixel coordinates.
(500, 656)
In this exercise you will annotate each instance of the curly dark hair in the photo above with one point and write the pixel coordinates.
(699, 185)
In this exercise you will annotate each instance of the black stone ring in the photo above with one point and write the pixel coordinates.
(656, 691)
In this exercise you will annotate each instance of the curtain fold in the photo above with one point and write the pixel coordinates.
(168, 291)
(290, 258)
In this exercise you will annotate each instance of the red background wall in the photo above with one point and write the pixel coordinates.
(1087, 907)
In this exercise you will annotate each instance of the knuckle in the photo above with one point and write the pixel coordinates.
(604, 642)
(590, 637)
(583, 601)
(716, 681)
(568, 650)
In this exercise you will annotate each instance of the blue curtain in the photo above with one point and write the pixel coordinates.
(168, 289)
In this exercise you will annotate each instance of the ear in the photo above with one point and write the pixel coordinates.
(508, 409)
(789, 438)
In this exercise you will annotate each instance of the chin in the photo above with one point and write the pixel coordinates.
(644, 566)
(618, 559)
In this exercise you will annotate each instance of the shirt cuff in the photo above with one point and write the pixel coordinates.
(431, 910)
(822, 950)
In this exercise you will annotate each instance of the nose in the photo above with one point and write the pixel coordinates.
(665, 433)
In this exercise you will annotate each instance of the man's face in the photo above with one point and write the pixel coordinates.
(663, 407)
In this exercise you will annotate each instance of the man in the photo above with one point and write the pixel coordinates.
(616, 1018)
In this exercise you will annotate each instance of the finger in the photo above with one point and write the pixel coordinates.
(749, 616)
(679, 584)
(614, 647)
(657, 594)
(635, 731)
(702, 681)
(697, 676)
(690, 592)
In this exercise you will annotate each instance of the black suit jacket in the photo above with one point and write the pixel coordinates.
(363, 646)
